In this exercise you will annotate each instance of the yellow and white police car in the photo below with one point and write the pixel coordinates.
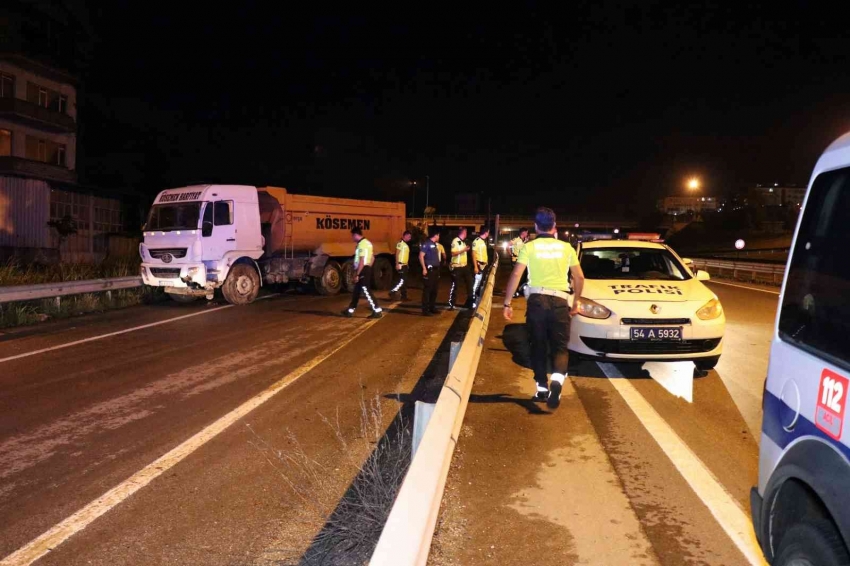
(641, 302)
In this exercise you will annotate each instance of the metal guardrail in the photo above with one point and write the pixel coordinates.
(16, 293)
(406, 538)
(774, 272)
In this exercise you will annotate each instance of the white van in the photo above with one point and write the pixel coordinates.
(801, 508)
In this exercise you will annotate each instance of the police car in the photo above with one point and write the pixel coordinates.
(801, 508)
(640, 302)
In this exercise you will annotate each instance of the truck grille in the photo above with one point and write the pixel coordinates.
(606, 346)
(175, 252)
(165, 272)
(655, 321)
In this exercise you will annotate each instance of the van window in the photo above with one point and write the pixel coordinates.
(223, 213)
(815, 311)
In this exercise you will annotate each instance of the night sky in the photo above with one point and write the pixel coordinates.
(586, 107)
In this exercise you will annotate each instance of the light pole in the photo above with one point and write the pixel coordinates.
(693, 184)
(427, 189)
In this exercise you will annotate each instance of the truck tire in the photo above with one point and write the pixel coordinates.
(183, 299)
(242, 284)
(382, 274)
(330, 282)
(348, 280)
(812, 543)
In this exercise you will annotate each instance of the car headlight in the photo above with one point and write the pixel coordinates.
(592, 309)
(192, 271)
(710, 310)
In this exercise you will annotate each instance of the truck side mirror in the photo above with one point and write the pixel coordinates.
(207, 228)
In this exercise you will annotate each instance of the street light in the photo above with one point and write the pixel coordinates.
(693, 184)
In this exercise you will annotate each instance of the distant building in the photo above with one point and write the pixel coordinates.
(776, 195)
(39, 57)
(677, 205)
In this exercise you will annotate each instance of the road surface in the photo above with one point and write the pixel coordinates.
(635, 467)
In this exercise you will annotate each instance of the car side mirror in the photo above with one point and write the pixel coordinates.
(703, 275)
(207, 228)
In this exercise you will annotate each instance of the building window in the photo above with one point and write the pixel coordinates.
(60, 155)
(7, 86)
(42, 97)
(42, 151)
(63, 103)
(5, 143)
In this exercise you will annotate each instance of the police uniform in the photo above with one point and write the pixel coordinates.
(516, 245)
(548, 260)
(460, 271)
(432, 279)
(364, 254)
(479, 256)
(402, 256)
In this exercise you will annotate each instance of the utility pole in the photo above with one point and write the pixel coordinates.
(427, 190)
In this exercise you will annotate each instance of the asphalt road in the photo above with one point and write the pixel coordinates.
(635, 467)
(140, 434)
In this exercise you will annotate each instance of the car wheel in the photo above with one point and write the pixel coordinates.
(812, 543)
(706, 364)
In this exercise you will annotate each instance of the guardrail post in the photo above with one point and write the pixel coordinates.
(57, 302)
(421, 415)
(109, 296)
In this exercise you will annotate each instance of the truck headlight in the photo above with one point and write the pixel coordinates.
(192, 271)
(143, 271)
(592, 309)
(710, 310)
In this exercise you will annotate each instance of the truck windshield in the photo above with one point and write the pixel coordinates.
(182, 216)
(631, 263)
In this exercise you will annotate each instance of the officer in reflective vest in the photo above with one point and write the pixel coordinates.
(516, 246)
(429, 259)
(364, 257)
(548, 311)
(460, 270)
(479, 260)
(402, 256)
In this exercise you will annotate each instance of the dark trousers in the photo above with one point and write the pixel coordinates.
(401, 283)
(361, 287)
(429, 290)
(548, 322)
(464, 275)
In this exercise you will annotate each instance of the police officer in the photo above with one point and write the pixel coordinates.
(364, 257)
(429, 259)
(402, 256)
(479, 260)
(460, 270)
(516, 246)
(548, 315)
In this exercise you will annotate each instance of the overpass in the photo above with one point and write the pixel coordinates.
(508, 223)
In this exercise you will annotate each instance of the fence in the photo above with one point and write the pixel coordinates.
(406, 538)
(55, 290)
(758, 271)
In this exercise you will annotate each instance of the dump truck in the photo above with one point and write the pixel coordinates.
(238, 238)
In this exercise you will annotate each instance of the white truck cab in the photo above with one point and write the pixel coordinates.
(201, 238)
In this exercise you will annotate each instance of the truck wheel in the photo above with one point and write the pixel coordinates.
(184, 299)
(382, 274)
(348, 279)
(330, 282)
(242, 284)
(812, 543)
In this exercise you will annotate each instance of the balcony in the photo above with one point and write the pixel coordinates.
(31, 114)
(36, 169)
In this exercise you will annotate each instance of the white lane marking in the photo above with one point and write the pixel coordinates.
(743, 287)
(64, 530)
(675, 377)
(731, 517)
(118, 332)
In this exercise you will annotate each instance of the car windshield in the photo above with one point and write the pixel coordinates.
(174, 216)
(632, 263)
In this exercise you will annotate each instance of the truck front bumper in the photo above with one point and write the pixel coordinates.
(186, 277)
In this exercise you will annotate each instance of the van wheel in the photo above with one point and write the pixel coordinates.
(330, 282)
(706, 364)
(382, 274)
(183, 299)
(348, 278)
(242, 284)
(812, 543)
